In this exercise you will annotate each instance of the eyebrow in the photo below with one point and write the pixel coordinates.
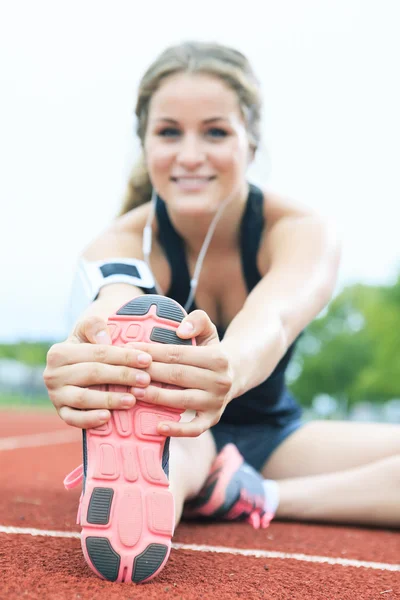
(206, 121)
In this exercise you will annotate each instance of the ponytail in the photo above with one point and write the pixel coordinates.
(139, 188)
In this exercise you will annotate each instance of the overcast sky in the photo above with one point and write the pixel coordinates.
(70, 71)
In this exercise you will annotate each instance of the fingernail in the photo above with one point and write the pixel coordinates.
(143, 378)
(164, 428)
(186, 327)
(144, 359)
(102, 337)
(127, 401)
(104, 414)
(138, 392)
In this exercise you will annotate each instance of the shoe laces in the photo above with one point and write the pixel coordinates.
(257, 517)
(74, 478)
(258, 520)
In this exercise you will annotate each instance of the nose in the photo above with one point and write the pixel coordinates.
(191, 152)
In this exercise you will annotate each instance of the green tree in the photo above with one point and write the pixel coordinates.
(352, 351)
(30, 353)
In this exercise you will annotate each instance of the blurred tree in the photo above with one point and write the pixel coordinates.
(352, 350)
(30, 353)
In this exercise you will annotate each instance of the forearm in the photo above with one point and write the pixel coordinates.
(296, 288)
(111, 298)
(254, 344)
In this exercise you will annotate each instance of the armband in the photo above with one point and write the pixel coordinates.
(91, 276)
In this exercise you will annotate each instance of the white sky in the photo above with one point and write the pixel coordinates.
(69, 73)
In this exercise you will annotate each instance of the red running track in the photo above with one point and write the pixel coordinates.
(42, 567)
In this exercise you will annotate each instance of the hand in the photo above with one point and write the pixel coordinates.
(86, 359)
(203, 371)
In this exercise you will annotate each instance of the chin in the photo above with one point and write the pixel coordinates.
(194, 204)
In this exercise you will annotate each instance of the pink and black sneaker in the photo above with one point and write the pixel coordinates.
(126, 510)
(233, 491)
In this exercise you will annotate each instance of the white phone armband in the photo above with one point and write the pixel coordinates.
(91, 276)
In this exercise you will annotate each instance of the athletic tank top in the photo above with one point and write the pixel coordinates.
(270, 401)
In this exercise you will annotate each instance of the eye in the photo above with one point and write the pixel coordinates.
(217, 132)
(169, 132)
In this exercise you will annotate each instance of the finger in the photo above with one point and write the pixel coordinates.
(90, 399)
(199, 325)
(68, 354)
(174, 398)
(91, 329)
(86, 374)
(185, 376)
(205, 357)
(84, 419)
(193, 428)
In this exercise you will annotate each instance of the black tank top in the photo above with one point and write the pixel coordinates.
(270, 401)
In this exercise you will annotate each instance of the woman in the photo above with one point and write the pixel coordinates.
(269, 269)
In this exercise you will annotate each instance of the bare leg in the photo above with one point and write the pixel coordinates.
(189, 464)
(328, 446)
(338, 471)
(367, 495)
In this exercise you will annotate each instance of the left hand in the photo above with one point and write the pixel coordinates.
(203, 371)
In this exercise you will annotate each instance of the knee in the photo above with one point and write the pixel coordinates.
(194, 448)
(387, 470)
(393, 466)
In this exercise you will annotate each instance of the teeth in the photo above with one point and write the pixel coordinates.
(193, 179)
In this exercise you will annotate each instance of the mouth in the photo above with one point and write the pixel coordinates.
(193, 179)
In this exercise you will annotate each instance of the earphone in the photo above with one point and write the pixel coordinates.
(147, 241)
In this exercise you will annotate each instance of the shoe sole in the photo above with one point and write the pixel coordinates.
(127, 511)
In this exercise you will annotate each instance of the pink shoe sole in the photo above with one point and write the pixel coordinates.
(127, 511)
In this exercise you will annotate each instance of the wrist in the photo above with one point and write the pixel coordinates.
(110, 299)
(115, 293)
(253, 359)
(236, 375)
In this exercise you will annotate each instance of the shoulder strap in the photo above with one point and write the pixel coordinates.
(250, 235)
(174, 249)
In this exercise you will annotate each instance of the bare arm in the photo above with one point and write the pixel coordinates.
(123, 238)
(302, 252)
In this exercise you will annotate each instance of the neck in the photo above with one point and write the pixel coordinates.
(225, 237)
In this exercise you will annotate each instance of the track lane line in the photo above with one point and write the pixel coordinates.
(36, 440)
(344, 562)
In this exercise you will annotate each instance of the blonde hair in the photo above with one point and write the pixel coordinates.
(229, 65)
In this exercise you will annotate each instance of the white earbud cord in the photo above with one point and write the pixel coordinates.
(147, 239)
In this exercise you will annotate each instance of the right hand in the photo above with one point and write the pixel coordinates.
(87, 358)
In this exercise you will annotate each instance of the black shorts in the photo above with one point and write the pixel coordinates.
(255, 442)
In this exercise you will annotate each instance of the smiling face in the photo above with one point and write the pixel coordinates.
(196, 144)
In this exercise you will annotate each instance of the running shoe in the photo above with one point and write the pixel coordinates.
(126, 510)
(233, 491)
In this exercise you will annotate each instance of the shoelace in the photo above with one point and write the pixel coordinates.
(256, 520)
(258, 517)
(74, 478)
(254, 506)
(71, 481)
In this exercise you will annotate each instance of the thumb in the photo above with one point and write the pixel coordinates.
(91, 329)
(199, 325)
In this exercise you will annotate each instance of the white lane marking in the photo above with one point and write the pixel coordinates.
(39, 439)
(41, 532)
(344, 562)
